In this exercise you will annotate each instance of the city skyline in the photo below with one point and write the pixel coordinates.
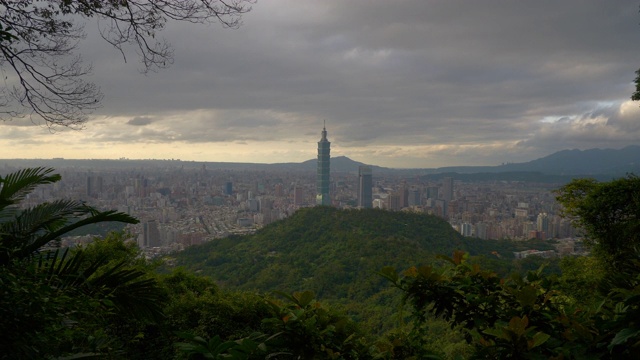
(406, 84)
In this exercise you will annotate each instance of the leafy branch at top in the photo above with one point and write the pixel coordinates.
(43, 76)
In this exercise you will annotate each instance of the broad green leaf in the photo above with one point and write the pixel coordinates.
(518, 325)
(538, 339)
(304, 298)
(389, 272)
(623, 336)
(526, 296)
(497, 332)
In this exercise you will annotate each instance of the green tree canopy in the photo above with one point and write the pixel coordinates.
(609, 214)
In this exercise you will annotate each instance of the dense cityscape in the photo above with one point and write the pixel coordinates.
(181, 206)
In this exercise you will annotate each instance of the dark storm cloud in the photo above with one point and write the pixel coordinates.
(140, 121)
(394, 73)
(197, 126)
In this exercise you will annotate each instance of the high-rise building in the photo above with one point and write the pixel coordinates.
(298, 195)
(94, 185)
(322, 176)
(99, 184)
(365, 187)
(393, 202)
(432, 192)
(466, 229)
(378, 203)
(542, 223)
(265, 204)
(440, 208)
(278, 190)
(253, 205)
(414, 197)
(90, 185)
(228, 188)
(481, 230)
(447, 189)
(150, 234)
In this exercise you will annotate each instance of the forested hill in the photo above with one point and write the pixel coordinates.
(335, 253)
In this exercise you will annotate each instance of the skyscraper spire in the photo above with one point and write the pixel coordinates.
(324, 131)
(322, 176)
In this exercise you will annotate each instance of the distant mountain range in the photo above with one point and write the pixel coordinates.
(557, 167)
(598, 163)
(569, 162)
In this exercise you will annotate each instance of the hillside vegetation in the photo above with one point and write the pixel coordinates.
(338, 253)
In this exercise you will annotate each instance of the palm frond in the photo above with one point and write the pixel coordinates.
(134, 295)
(128, 289)
(45, 217)
(17, 185)
(34, 228)
(98, 217)
(68, 271)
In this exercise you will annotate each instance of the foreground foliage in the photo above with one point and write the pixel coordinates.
(502, 318)
(56, 302)
(609, 214)
(524, 317)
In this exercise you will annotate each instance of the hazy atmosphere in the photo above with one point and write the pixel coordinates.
(399, 84)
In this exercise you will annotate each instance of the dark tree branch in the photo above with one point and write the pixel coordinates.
(45, 79)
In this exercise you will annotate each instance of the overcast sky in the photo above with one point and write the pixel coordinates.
(400, 83)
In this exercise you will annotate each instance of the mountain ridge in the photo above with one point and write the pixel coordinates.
(571, 162)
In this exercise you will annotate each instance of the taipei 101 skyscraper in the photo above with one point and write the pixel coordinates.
(322, 177)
